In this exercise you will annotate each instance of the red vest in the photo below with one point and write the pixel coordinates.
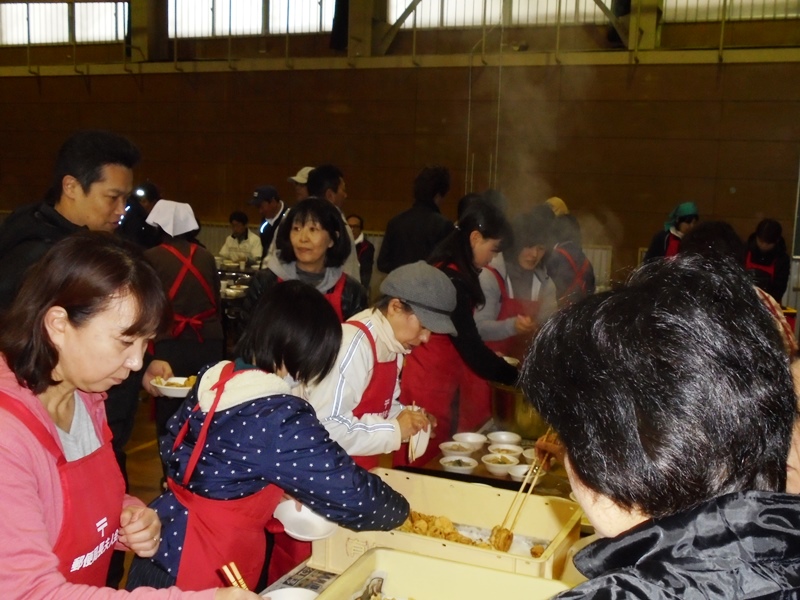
(377, 398)
(221, 531)
(335, 296)
(93, 490)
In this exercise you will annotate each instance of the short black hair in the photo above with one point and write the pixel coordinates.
(714, 238)
(84, 154)
(295, 326)
(464, 203)
(329, 218)
(324, 178)
(238, 216)
(533, 228)
(669, 390)
(769, 231)
(430, 182)
(355, 216)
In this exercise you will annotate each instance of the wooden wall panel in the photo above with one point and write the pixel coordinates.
(620, 144)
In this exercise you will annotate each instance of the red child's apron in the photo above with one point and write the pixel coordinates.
(515, 345)
(221, 531)
(377, 398)
(93, 490)
(673, 245)
(194, 321)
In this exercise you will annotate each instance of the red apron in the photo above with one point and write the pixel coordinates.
(334, 296)
(377, 398)
(673, 245)
(93, 492)
(195, 321)
(768, 269)
(515, 345)
(221, 531)
(578, 282)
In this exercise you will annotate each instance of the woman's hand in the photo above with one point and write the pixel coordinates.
(524, 324)
(411, 421)
(549, 444)
(233, 593)
(140, 530)
(157, 368)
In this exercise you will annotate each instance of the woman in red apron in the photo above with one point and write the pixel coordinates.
(93, 307)
(667, 242)
(358, 401)
(519, 294)
(241, 440)
(311, 244)
(440, 376)
(767, 259)
(189, 273)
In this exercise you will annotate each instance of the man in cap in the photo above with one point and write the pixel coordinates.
(300, 181)
(358, 401)
(272, 210)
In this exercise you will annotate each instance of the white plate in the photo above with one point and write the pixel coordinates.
(171, 391)
(304, 525)
(290, 594)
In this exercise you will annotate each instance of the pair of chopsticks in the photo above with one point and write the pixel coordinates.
(233, 576)
(532, 476)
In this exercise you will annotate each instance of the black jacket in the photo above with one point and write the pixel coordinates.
(776, 258)
(412, 235)
(25, 236)
(741, 545)
(267, 230)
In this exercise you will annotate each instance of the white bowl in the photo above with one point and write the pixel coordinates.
(507, 449)
(419, 441)
(290, 594)
(517, 472)
(458, 464)
(529, 454)
(456, 449)
(173, 391)
(504, 437)
(304, 525)
(500, 469)
(477, 440)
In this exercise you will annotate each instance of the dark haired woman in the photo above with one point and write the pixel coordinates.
(444, 375)
(767, 260)
(241, 440)
(78, 326)
(519, 293)
(312, 244)
(667, 242)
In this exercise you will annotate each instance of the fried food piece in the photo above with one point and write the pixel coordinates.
(537, 550)
(501, 538)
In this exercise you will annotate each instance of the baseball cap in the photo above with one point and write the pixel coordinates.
(264, 192)
(302, 175)
(428, 291)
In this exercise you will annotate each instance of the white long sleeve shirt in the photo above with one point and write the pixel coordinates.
(232, 247)
(335, 397)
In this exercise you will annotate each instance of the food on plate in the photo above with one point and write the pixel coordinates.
(499, 460)
(457, 462)
(188, 382)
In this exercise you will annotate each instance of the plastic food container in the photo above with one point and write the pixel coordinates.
(543, 517)
(456, 448)
(498, 464)
(458, 464)
(507, 449)
(504, 437)
(477, 440)
(407, 575)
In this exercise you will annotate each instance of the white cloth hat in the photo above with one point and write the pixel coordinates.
(175, 218)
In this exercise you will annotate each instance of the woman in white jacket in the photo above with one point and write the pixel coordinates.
(358, 401)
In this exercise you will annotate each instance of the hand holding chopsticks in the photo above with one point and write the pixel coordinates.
(233, 576)
(501, 536)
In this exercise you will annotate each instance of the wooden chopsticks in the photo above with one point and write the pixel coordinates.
(233, 576)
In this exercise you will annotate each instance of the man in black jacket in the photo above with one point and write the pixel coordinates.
(413, 234)
(272, 210)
